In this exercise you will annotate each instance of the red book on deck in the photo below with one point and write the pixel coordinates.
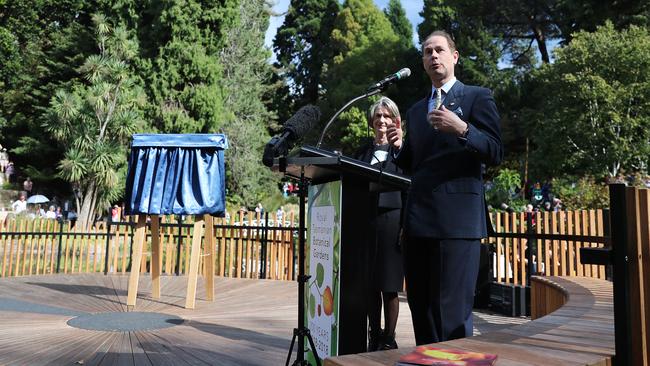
(427, 355)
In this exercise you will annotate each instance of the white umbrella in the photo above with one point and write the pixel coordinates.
(38, 198)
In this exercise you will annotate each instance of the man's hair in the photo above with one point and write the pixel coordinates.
(386, 103)
(441, 33)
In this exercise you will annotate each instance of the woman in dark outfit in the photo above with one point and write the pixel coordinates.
(386, 272)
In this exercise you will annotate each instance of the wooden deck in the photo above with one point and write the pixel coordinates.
(579, 332)
(249, 323)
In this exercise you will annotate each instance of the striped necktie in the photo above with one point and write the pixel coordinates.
(438, 101)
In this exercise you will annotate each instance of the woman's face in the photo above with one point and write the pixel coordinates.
(381, 120)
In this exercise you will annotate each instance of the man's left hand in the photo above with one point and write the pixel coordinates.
(446, 121)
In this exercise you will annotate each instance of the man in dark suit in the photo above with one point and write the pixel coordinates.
(451, 135)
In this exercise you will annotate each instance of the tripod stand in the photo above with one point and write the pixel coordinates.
(302, 331)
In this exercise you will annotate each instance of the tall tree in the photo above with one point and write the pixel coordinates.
(42, 42)
(401, 25)
(180, 62)
(302, 48)
(520, 26)
(246, 81)
(479, 52)
(436, 15)
(365, 49)
(94, 119)
(594, 117)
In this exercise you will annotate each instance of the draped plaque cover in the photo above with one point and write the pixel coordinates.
(180, 174)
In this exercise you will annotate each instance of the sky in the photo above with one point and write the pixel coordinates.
(412, 7)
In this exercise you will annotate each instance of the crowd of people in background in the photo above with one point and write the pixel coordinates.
(289, 188)
(542, 198)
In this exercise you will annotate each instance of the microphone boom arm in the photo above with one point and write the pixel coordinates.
(365, 95)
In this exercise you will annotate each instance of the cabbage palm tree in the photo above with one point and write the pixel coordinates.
(94, 120)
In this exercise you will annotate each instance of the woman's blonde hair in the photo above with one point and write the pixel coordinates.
(383, 102)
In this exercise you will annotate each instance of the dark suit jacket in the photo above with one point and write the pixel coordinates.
(390, 199)
(446, 197)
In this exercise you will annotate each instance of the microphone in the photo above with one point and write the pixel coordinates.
(294, 129)
(390, 79)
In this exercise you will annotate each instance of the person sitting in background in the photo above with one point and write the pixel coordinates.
(259, 209)
(51, 213)
(19, 205)
(115, 213)
(557, 204)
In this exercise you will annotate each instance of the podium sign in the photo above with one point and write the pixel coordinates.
(322, 263)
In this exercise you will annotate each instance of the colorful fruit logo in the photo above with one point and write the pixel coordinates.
(324, 304)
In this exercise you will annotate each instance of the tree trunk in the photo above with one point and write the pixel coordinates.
(540, 38)
(86, 215)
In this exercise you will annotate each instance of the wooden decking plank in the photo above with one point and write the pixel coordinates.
(97, 357)
(140, 357)
(74, 350)
(120, 352)
(157, 350)
(249, 322)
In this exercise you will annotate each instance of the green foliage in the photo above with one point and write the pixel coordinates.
(479, 52)
(437, 14)
(94, 119)
(365, 49)
(594, 117)
(247, 120)
(302, 48)
(401, 25)
(581, 193)
(504, 188)
(181, 64)
(42, 42)
(356, 130)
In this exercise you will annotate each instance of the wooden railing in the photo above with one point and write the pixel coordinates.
(246, 247)
(546, 243)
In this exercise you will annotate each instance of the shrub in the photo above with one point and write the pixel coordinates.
(581, 193)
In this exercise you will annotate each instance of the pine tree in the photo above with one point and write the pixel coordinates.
(302, 48)
(401, 25)
(365, 49)
(246, 81)
(180, 62)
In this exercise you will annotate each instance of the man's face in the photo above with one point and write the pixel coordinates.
(438, 60)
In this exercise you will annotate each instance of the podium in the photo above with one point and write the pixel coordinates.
(354, 180)
(179, 174)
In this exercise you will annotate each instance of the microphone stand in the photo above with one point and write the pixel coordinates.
(366, 95)
(302, 331)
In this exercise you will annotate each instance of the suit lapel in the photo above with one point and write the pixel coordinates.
(455, 96)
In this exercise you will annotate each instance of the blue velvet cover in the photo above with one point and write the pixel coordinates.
(181, 174)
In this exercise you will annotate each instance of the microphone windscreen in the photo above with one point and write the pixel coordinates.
(404, 73)
(301, 122)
